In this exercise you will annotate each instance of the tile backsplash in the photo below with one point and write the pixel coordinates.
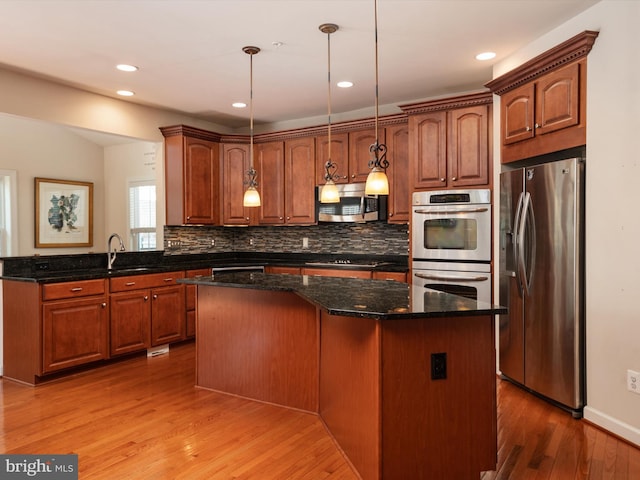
(374, 238)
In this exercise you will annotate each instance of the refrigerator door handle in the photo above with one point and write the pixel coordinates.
(517, 220)
(526, 244)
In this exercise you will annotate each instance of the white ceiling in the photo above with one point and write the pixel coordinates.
(191, 59)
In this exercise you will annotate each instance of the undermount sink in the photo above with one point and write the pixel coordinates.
(129, 270)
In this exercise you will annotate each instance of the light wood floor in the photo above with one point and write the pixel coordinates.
(143, 419)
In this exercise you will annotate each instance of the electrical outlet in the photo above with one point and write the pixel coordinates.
(633, 381)
(251, 242)
(305, 242)
(213, 242)
(438, 366)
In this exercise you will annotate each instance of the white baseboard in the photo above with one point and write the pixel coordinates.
(613, 425)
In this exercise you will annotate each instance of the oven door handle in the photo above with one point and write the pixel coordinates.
(427, 276)
(453, 212)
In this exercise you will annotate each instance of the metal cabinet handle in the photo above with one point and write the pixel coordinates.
(155, 297)
(104, 305)
(76, 289)
(170, 279)
(528, 129)
(130, 284)
(537, 125)
(146, 297)
(453, 179)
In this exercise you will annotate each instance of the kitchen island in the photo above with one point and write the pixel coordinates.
(405, 391)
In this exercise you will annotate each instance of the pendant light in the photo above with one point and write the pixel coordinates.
(329, 192)
(377, 181)
(251, 194)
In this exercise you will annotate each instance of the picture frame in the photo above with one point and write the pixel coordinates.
(63, 213)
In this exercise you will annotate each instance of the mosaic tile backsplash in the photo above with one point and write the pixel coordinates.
(375, 238)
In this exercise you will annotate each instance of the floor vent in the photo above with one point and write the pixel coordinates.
(159, 350)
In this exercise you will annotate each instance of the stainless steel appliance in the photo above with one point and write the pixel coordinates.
(354, 206)
(471, 280)
(452, 225)
(542, 280)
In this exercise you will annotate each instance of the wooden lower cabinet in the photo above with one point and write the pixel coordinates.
(74, 332)
(167, 315)
(397, 276)
(289, 270)
(337, 272)
(130, 322)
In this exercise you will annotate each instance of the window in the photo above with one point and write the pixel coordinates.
(8, 213)
(142, 215)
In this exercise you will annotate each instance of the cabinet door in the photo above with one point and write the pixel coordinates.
(130, 321)
(168, 321)
(398, 172)
(339, 156)
(428, 149)
(235, 164)
(201, 190)
(190, 300)
(557, 100)
(468, 147)
(299, 171)
(74, 332)
(518, 118)
(270, 166)
(282, 270)
(359, 153)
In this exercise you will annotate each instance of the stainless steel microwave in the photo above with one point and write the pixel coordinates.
(354, 206)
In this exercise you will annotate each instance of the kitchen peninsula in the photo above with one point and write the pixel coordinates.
(403, 378)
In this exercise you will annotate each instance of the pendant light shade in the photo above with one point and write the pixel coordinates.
(251, 194)
(377, 181)
(329, 192)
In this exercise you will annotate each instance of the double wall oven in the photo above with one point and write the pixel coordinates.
(451, 243)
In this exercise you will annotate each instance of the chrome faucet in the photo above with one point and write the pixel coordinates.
(111, 254)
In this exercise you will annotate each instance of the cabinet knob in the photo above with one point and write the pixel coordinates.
(288, 218)
(537, 125)
(353, 176)
(247, 219)
(280, 218)
(390, 214)
(443, 179)
(155, 297)
(104, 305)
(188, 218)
(146, 297)
(453, 179)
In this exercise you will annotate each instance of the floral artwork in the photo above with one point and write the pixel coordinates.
(64, 213)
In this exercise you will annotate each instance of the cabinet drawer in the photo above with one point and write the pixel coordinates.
(84, 288)
(135, 282)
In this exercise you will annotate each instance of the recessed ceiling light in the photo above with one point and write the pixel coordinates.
(126, 68)
(345, 84)
(126, 93)
(485, 56)
(238, 105)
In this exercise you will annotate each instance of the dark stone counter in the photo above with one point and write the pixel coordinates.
(67, 268)
(377, 299)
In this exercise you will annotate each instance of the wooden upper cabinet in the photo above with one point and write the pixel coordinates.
(299, 170)
(468, 146)
(269, 163)
(543, 101)
(235, 164)
(428, 149)
(397, 141)
(192, 176)
(339, 156)
(360, 143)
(449, 142)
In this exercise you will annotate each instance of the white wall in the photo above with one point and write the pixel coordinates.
(613, 194)
(39, 149)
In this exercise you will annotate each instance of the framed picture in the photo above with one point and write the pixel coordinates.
(64, 213)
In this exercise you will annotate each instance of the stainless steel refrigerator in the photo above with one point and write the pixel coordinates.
(541, 339)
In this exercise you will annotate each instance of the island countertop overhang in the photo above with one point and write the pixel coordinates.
(375, 299)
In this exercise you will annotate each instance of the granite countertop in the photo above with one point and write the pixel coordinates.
(376, 299)
(66, 268)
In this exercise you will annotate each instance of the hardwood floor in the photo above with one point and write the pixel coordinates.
(142, 418)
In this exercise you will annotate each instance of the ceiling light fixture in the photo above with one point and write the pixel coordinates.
(126, 68)
(125, 93)
(377, 181)
(239, 105)
(345, 84)
(251, 195)
(329, 192)
(485, 56)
